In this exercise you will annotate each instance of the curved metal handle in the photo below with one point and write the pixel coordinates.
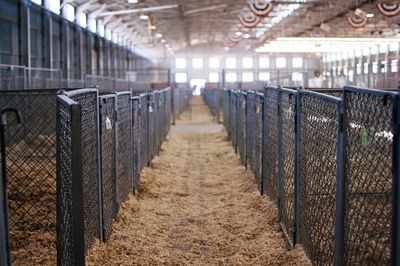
(6, 110)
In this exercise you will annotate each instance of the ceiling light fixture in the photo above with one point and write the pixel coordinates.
(163, 41)
(158, 35)
(133, 1)
(370, 15)
(238, 33)
(246, 36)
(153, 27)
(144, 17)
(226, 48)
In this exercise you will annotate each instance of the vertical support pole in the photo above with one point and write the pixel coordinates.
(263, 132)
(223, 78)
(297, 167)
(246, 131)
(340, 189)
(396, 185)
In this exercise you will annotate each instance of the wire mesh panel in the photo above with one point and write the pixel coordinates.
(88, 101)
(31, 167)
(258, 135)
(287, 148)
(226, 104)
(143, 131)
(136, 140)
(319, 116)
(369, 181)
(270, 168)
(157, 122)
(250, 132)
(124, 145)
(241, 109)
(107, 106)
(150, 126)
(232, 115)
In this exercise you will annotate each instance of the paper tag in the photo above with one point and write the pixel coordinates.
(258, 109)
(108, 123)
(364, 137)
(150, 109)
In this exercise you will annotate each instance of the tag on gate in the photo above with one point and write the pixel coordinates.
(150, 109)
(258, 109)
(108, 123)
(364, 137)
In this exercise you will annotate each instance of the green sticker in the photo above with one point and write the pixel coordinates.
(364, 137)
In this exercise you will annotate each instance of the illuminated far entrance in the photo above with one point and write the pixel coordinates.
(199, 83)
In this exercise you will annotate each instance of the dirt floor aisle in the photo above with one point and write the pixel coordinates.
(197, 206)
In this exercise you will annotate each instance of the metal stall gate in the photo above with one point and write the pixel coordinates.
(233, 118)
(258, 141)
(143, 135)
(286, 163)
(78, 179)
(108, 150)
(241, 109)
(124, 146)
(250, 129)
(136, 141)
(30, 147)
(150, 126)
(370, 182)
(319, 117)
(271, 123)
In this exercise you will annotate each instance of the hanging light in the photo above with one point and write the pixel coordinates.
(144, 17)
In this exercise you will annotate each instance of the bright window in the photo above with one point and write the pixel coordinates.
(247, 62)
(280, 62)
(180, 63)
(247, 77)
(375, 67)
(297, 76)
(69, 12)
(54, 6)
(263, 62)
(264, 76)
(39, 2)
(197, 63)
(230, 62)
(297, 62)
(231, 77)
(383, 66)
(101, 30)
(93, 25)
(108, 34)
(383, 48)
(358, 68)
(214, 63)
(83, 20)
(394, 46)
(181, 77)
(213, 77)
(351, 75)
(365, 68)
(114, 37)
(374, 49)
(394, 66)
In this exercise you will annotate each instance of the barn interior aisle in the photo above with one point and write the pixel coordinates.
(197, 205)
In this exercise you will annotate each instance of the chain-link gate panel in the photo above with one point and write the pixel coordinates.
(232, 115)
(319, 127)
(107, 105)
(271, 142)
(287, 148)
(88, 101)
(157, 122)
(369, 187)
(124, 146)
(150, 125)
(242, 127)
(136, 140)
(258, 135)
(143, 131)
(31, 166)
(250, 132)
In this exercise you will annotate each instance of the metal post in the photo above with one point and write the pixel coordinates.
(5, 256)
(396, 186)
(340, 189)
(297, 167)
(263, 131)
